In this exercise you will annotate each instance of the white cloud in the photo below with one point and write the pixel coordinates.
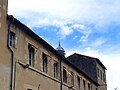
(80, 26)
(100, 13)
(98, 42)
(64, 31)
(39, 13)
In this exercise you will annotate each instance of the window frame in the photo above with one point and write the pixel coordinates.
(12, 38)
(72, 78)
(64, 75)
(31, 54)
(44, 63)
(78, 80)
(84, 85)
(89, 86)
(55, 69)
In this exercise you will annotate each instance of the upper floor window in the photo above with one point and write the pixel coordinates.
(31, 54)
(89, 86)
(84, 87)
(104, 77)
(98, 72)
(55, 69)
(64, 75)
(101, 74)
(72, 79)
(12, 39)
(78, 79)
(44, 62)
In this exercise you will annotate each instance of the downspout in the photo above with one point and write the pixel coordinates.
(61, 76)
(14, 75)
(12, 55)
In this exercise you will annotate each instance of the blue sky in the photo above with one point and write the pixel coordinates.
(90, 27)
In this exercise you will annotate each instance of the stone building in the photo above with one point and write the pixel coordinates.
(27, 62)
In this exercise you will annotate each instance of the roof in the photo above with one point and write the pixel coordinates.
(29, 32)
(86, 64)
(80, 71)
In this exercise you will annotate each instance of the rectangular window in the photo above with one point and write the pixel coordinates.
(72, 79)
(78, 79)
(89, 86)
(101, 74)
(31, 53)
(45, 61)
(98, 72)
(104, 77)
(84, 88)
(12, 39)
(64, 75)
(55, 69)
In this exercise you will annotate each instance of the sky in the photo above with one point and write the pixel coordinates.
(88, 27)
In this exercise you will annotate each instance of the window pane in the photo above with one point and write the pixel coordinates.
(55, 69)
(64, 75)
(12, 39)
(78, 79)
(44, 58)
(30, 55)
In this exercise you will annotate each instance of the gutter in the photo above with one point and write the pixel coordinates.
(61, 75)
(12, 55)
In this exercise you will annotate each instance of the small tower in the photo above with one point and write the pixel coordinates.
(60, 50)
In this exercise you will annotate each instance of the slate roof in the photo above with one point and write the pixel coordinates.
(86, 64)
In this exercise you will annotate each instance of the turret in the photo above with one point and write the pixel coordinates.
(60, 50)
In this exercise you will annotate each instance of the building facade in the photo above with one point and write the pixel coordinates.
(27, 62)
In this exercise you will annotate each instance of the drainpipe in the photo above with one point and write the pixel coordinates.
(14, 75)
(12, 55)
(60, 76)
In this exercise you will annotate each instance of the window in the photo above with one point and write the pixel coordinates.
(44, 60)
(31, 53)
(89, 86)
(12, 39)
(98, 72)
(78, 79)
(101, 74)
(84, 88)
(104, 78)
(29, 89)
(55, 69)
(64, 75)
(72, 79)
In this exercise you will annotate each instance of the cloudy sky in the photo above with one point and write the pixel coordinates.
(89, 27)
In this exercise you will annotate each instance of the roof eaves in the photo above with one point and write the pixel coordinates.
(29, 32)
